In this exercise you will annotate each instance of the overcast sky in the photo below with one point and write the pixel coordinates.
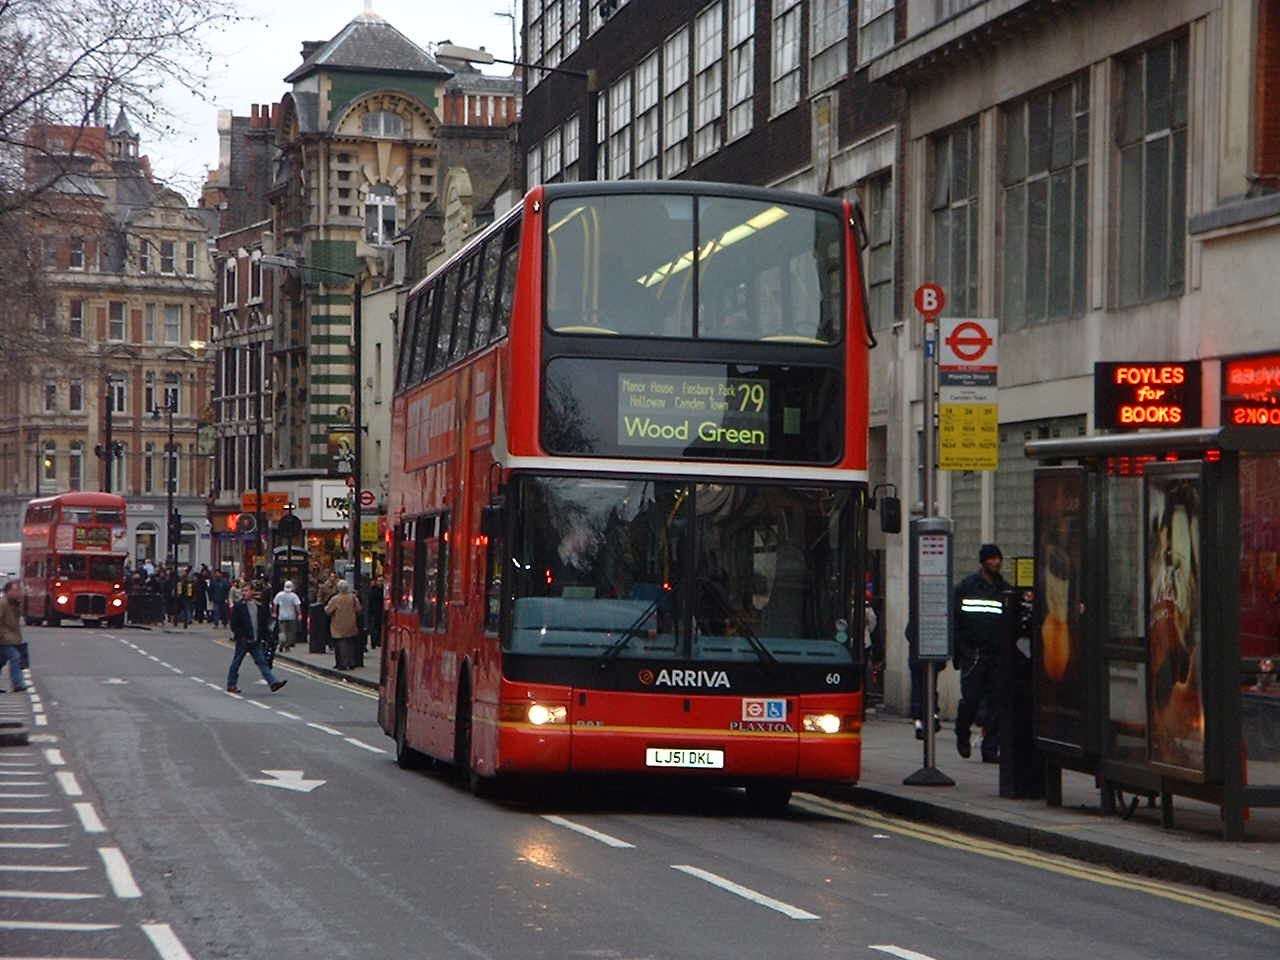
(255, 57)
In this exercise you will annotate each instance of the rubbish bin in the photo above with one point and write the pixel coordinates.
(318, 635)
(1021, 766)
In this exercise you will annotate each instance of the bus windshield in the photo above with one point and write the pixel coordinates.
(77, 567)
(638, 264)
(664, 569)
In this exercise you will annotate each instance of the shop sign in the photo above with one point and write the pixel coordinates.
(1251, 391)
(1134, 396)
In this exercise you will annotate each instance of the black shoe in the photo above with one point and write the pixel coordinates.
(937, 724)
(962, 745)
(233, 689)
(19, 689)
(277, 685)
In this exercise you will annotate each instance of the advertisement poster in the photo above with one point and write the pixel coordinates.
(1175, 655)
(1060, 679)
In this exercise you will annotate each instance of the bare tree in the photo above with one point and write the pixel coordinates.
(70, 64)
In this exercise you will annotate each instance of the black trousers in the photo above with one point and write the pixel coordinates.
(979, 691)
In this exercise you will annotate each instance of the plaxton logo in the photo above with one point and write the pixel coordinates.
(685, 678)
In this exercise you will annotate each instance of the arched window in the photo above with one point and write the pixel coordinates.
(49, 464)
(380, 214)
(382, 123)
(76, 478)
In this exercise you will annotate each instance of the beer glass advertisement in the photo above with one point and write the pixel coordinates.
(1060, 679)
(1175, 654)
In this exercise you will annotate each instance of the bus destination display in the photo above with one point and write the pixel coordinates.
(677, 410)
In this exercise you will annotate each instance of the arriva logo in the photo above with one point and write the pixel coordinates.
(685, 678)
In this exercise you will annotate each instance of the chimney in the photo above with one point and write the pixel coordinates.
(311, 46)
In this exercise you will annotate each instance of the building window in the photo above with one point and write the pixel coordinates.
(828, 46)
(742, 27)
(533, 166)
(229, 464)
(148, 468)
(533, 40)
(115, 321)
(877, 195)
(49, 252)
(172, 391)
(785, 92)
(572, 19)
(255, 280)
(379, 215)
(118, 466)
(571, 148)
(675, 103)
(954, 207)
(149, 323)
(75, 466)
(171, 467)
(50, 398)
(551, 34)
(191, 258)
(168, 265)
(49, 463)
(173, 323)
(75, 396)
(149, 392)
(602, 135)
(77, 253)
(949, 8)
(708, 80)
(551, 157)
(75, 319)
(144, 255)
(1151, 134)
(620, 129)
(1046, 186)
(117, 392)
(647, 118)
(382, 123)
(875, 29)
(230, 295)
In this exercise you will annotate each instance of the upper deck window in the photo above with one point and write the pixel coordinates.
(636, 265)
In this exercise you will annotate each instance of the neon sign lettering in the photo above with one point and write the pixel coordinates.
(1134, 396)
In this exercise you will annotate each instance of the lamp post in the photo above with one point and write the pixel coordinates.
(357, 404)
(108, 450)
(172, 520)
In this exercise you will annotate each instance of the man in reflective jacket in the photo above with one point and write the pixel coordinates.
(977, 609)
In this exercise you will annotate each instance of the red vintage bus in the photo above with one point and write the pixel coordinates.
(628, 492)
(73, 554)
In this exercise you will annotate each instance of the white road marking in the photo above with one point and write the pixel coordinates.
(37, 868)
(28, 809)
(363, 746)
(165, 663)
(901, 952)
(22, 796)
(286, 713)
(165, 941)
(37, 708)
(119, 874)
(197, 679)
(54, 758)
(152, 656)
(233, 696)
(69, 784)
(604, 838)
(34, 826)
(16, 763)
(175, 670)
(46, 895)
(260, 706)
(41, 720)
(53, 927)
(786, 909)
(89, 818)
(289, 780)
(323, 729)
(32, 846)
(23, 783)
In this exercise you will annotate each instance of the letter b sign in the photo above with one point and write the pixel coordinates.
(930, 299)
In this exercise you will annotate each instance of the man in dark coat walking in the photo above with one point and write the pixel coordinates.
(251, 628)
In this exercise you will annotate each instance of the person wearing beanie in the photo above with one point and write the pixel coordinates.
(977, 610)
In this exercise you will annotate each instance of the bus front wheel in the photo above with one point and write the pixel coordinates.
(116, 622)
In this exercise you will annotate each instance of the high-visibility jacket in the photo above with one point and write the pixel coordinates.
(977, 609)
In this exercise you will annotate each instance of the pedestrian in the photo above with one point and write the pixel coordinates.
(977, 611)
(918, 669)
(148, 567)
(343, 609)
(219, 591)
(286, 607)
(373, 614)
(250, 628)
(11, 635)
(201, 599)
(186, 598)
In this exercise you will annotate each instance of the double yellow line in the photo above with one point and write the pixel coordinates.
(1040, 861)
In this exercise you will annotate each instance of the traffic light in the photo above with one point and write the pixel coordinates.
(233, 522)
(246, 523)
(175, 526)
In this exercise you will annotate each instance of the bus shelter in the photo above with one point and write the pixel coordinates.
(1158, 616)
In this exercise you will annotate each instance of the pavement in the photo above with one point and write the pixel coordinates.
(1192, 852)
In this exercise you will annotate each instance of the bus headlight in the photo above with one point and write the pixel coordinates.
(63, 599)
(821, 723)
(541, 713)
(117, 602)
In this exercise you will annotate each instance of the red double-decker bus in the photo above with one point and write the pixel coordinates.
(628, 492)
(73, 554)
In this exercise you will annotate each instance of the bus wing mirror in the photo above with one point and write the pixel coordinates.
(890, 515)
(491, 519)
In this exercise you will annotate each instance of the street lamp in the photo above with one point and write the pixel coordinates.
(109, 450)
(173, 520)
(357, 404)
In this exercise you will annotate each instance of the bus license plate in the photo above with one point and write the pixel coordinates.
(684, 757)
